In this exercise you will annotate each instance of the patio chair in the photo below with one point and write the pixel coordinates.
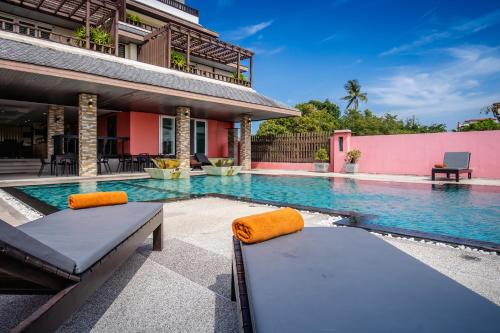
(42, 166)
(202, 158)
(454, 163)
(103, 160)
(70, 254)
(348, 280)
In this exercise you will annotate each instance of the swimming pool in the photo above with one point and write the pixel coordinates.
(463, 211)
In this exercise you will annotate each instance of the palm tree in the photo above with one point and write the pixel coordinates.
(354, 94)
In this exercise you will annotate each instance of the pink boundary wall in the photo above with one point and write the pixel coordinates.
(415, 154)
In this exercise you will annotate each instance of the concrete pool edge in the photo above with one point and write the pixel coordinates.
(350, 219)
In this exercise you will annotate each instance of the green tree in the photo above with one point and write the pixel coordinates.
(354, 94)
(325, 116)
(481, 125)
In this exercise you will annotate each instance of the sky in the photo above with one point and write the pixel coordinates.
(436, 60)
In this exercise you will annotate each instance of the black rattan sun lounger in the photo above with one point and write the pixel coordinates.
(348, 280)
(202, 158)
(70, 254)
(456, 163)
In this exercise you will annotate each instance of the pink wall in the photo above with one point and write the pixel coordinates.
(415, 154)
(217, 138)
(283, 166)
(144, 133)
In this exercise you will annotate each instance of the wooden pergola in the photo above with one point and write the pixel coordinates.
(105, 13)
(158, 46)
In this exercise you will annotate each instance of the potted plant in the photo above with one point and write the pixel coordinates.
(134, 19)
(177, 59)
(351, 161)
(321, 159)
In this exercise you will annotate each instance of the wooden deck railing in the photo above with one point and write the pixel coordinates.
(181, 6)
(141, 25)
(212, 75)
(290, 148)
(41, 33)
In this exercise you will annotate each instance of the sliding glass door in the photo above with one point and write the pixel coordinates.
(198, 136)
(167, 135)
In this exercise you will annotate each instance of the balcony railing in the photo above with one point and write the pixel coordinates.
(45, 34)
(181, 6)
(140, 25)
(212, 75)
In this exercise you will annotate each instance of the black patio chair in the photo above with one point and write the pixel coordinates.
(454, 163)
(69, 256)
(124, 163)
(348, 280)
(103, 161)
(42, 166)
(202, 158)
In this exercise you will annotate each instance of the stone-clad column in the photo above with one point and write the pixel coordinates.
(55, 126)
(245, 142)
(232, 144)
(87, 135)
(182, 135)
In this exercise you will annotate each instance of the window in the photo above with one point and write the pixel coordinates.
(27, 29)
(44, 32)
(6, 24)
(121, 50)
(341, 143)
(198, 136)
(167, 135)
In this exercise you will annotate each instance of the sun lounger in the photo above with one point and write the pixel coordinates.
(348, 280)
(454, 163)
(202, 158)
(70, 254)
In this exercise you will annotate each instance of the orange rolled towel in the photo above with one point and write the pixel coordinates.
(261, 227)
(440, 166)
(96, 199)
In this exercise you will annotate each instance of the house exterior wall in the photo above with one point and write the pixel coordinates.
(217, 138)
(144, 132)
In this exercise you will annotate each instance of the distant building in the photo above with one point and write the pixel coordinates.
(472, 121)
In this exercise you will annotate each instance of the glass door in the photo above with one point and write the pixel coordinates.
(167, 135)
(198, 136)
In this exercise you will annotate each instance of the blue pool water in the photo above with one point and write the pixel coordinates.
(463, 211)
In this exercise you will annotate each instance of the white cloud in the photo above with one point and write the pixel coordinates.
(455, 31)
(267, 52)
(247, 31)
(328, 38)
(456, 87)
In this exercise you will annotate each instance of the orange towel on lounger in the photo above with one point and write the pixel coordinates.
(440, 166)
(261, 227)
(96, 199)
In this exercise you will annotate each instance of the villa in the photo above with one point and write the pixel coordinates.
(135, 198)
(159, 83)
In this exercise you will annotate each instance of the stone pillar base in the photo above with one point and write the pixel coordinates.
(55, 126)
(245, 142)
(182, 135)
(87, 135)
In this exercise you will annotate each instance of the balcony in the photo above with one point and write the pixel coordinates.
(41, 33)
(160, 44)
(181, 6)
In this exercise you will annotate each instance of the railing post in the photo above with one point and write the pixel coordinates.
(169, 46)
(238, 68)
(188, 51)
(251, 71)
(87, 25)
(115, 30)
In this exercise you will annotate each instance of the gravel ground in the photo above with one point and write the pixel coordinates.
(186, 287)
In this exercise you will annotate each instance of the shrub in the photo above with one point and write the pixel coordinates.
(134, 18)
(321, 155)
(97, 35)
(242, 76)
(177, 59)
(352, 156)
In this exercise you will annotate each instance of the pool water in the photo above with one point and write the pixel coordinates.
(464, 211)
